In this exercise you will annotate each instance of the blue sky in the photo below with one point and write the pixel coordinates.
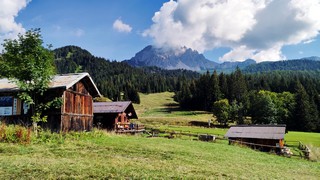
(230, 30)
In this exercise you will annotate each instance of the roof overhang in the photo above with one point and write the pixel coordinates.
(115, 107)
(257, 131)
(64, 81)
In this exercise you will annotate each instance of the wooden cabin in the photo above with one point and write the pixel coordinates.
(76, 113)
(114, 115)
(263, 137)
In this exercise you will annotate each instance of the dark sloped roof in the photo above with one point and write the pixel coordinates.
(58, 81)
(257, 131)
(114, 107)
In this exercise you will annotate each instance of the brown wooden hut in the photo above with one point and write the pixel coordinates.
(76, 113)
(113, 115)
(263, 137)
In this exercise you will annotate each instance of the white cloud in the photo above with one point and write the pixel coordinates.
(57, 27)
(78, 32)
(121, 26)
(255, 29)
(9, 29)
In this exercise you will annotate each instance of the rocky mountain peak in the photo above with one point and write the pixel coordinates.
(183, 58)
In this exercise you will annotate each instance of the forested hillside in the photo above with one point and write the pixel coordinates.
(304, 64)
(116, 79)
(281, 97)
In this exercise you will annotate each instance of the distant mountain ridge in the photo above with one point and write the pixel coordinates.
(190, 59)
(185, 58)
(228, 66)
(303, 64)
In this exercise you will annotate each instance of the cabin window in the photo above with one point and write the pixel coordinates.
(6, 105)
(10, 106)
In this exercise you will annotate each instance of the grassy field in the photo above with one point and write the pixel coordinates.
(104, 155)
(161, 111)
(307, 138)
(100, 155)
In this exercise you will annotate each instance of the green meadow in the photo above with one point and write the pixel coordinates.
(102, 155)
(161, 111)
(105, 155)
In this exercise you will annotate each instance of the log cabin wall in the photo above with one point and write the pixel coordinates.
(266, 144)
(77, 109)
(76, 112)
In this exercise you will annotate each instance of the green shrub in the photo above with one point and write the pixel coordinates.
(46, 136)
(15, 134)
(315, 153)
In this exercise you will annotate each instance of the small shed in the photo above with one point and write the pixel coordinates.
(108, 115)
(263, 137)
(76, 113)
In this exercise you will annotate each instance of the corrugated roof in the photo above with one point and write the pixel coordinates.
(114, 107)
(6, 85)
(257, 132)
(58, 81)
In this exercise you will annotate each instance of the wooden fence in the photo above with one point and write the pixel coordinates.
(300, 149)
(171, 134)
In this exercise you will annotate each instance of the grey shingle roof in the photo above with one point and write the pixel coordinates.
(257, 131)
(58, 81)
(114, 107)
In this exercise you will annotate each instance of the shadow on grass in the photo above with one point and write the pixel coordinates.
(205, 124)
(169, 108)
(174, 107)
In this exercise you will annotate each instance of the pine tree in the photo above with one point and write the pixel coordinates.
(214, 87)
(303, 111)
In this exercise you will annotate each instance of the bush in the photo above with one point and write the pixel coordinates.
(46, 136)
(15, 134)
(22, 135)
(315, 153)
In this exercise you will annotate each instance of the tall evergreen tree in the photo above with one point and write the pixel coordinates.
(238, 86)
(303, 112)
(214, 87)
(223, 85)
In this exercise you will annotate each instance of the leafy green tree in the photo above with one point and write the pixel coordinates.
(236, 110)
(285, 103)
(264, 110)
(270, 107)
(31, 66)
(221, 109)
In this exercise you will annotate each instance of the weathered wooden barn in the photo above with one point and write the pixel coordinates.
(111, 115)
(76, 113)
(263, 137)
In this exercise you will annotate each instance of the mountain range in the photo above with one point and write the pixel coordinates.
(186, 58)
(113, 77)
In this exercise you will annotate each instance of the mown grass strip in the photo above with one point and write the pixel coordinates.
(102, 155)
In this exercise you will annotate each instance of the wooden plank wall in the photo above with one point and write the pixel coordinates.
(77, 113)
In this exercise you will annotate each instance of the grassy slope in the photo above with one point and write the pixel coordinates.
(97, 155)
(160, 109)
(307, 138)
(103, 155)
